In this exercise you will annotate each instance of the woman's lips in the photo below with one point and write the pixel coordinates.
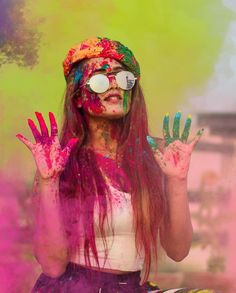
(113, 99)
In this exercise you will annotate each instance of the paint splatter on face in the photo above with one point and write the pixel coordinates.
(125, 100)
(112, 104)
(78, 75)
(176, 129)
(105, 66)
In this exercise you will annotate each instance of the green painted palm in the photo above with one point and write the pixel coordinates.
(174, 160)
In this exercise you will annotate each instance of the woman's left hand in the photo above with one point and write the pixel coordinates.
(175, 158)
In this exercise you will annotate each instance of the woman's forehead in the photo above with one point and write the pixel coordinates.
(103, 63)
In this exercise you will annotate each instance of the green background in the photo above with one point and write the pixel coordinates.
(177, 44)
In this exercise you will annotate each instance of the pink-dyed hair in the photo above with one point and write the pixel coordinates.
(82, 181)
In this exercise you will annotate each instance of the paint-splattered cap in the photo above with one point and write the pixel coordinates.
(101, 47)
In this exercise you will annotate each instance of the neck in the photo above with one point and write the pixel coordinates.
(103, 134)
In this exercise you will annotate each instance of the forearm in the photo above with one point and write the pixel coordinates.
(176, 231)
(50, 244)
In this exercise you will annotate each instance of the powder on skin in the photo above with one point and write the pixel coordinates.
(125, 101)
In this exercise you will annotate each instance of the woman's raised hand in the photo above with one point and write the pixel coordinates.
(50, 158)
(175, 158)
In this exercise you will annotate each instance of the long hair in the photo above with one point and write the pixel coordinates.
(82, 182)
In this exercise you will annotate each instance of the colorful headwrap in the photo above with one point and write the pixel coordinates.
(101, 47)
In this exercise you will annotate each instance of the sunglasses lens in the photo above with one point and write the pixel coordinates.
(125, 80)
(99, 83)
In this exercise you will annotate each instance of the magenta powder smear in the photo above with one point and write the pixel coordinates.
(112, 170)
(93, 103)
(91, 100)
(17, 268)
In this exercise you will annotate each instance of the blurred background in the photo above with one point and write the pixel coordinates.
(187, 53)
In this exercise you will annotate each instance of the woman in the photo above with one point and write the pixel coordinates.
(106, 190)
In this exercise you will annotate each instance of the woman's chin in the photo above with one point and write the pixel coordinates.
(111, 113)
(114, 114)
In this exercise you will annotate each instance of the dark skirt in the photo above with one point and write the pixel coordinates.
(76, 278)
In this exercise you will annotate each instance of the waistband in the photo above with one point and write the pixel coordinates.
(131, 277)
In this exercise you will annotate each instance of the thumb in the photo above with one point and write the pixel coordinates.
(151, 142)
(25, 141)
(159, 159)
(196, 138)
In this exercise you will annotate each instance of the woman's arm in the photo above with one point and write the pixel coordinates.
(173, 155)
(50, 246)
(49, 238)
(176, 230)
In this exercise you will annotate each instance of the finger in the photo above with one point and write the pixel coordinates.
(25, 141)
(176, 125)
(35, 131)
(42, 124)
(197, 138)
(67, 150)
(166, 130)
(160, 158)
(185, 134)
(53, 124)
(152, 142)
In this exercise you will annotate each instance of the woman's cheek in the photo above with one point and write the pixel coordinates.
(92, 103)
(126, 101)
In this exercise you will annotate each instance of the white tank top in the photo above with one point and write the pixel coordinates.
(121, 247)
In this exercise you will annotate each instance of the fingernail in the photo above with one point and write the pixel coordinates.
(189, 116)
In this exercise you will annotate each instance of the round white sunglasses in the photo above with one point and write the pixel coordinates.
(99, 83)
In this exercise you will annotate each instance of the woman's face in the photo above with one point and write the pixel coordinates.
(113, 103)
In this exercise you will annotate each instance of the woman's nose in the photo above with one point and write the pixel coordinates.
(112, 81)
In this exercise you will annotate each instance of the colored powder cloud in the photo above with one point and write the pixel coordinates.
(18, 37)
(176, 42)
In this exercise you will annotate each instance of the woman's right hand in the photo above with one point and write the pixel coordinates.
(50, 158)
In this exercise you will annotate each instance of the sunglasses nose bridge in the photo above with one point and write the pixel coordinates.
(112, 81)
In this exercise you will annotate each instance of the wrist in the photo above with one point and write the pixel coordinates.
(175, 179)
(49, 180)
(176, 188)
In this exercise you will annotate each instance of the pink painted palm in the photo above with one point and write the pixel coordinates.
(50, 158)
